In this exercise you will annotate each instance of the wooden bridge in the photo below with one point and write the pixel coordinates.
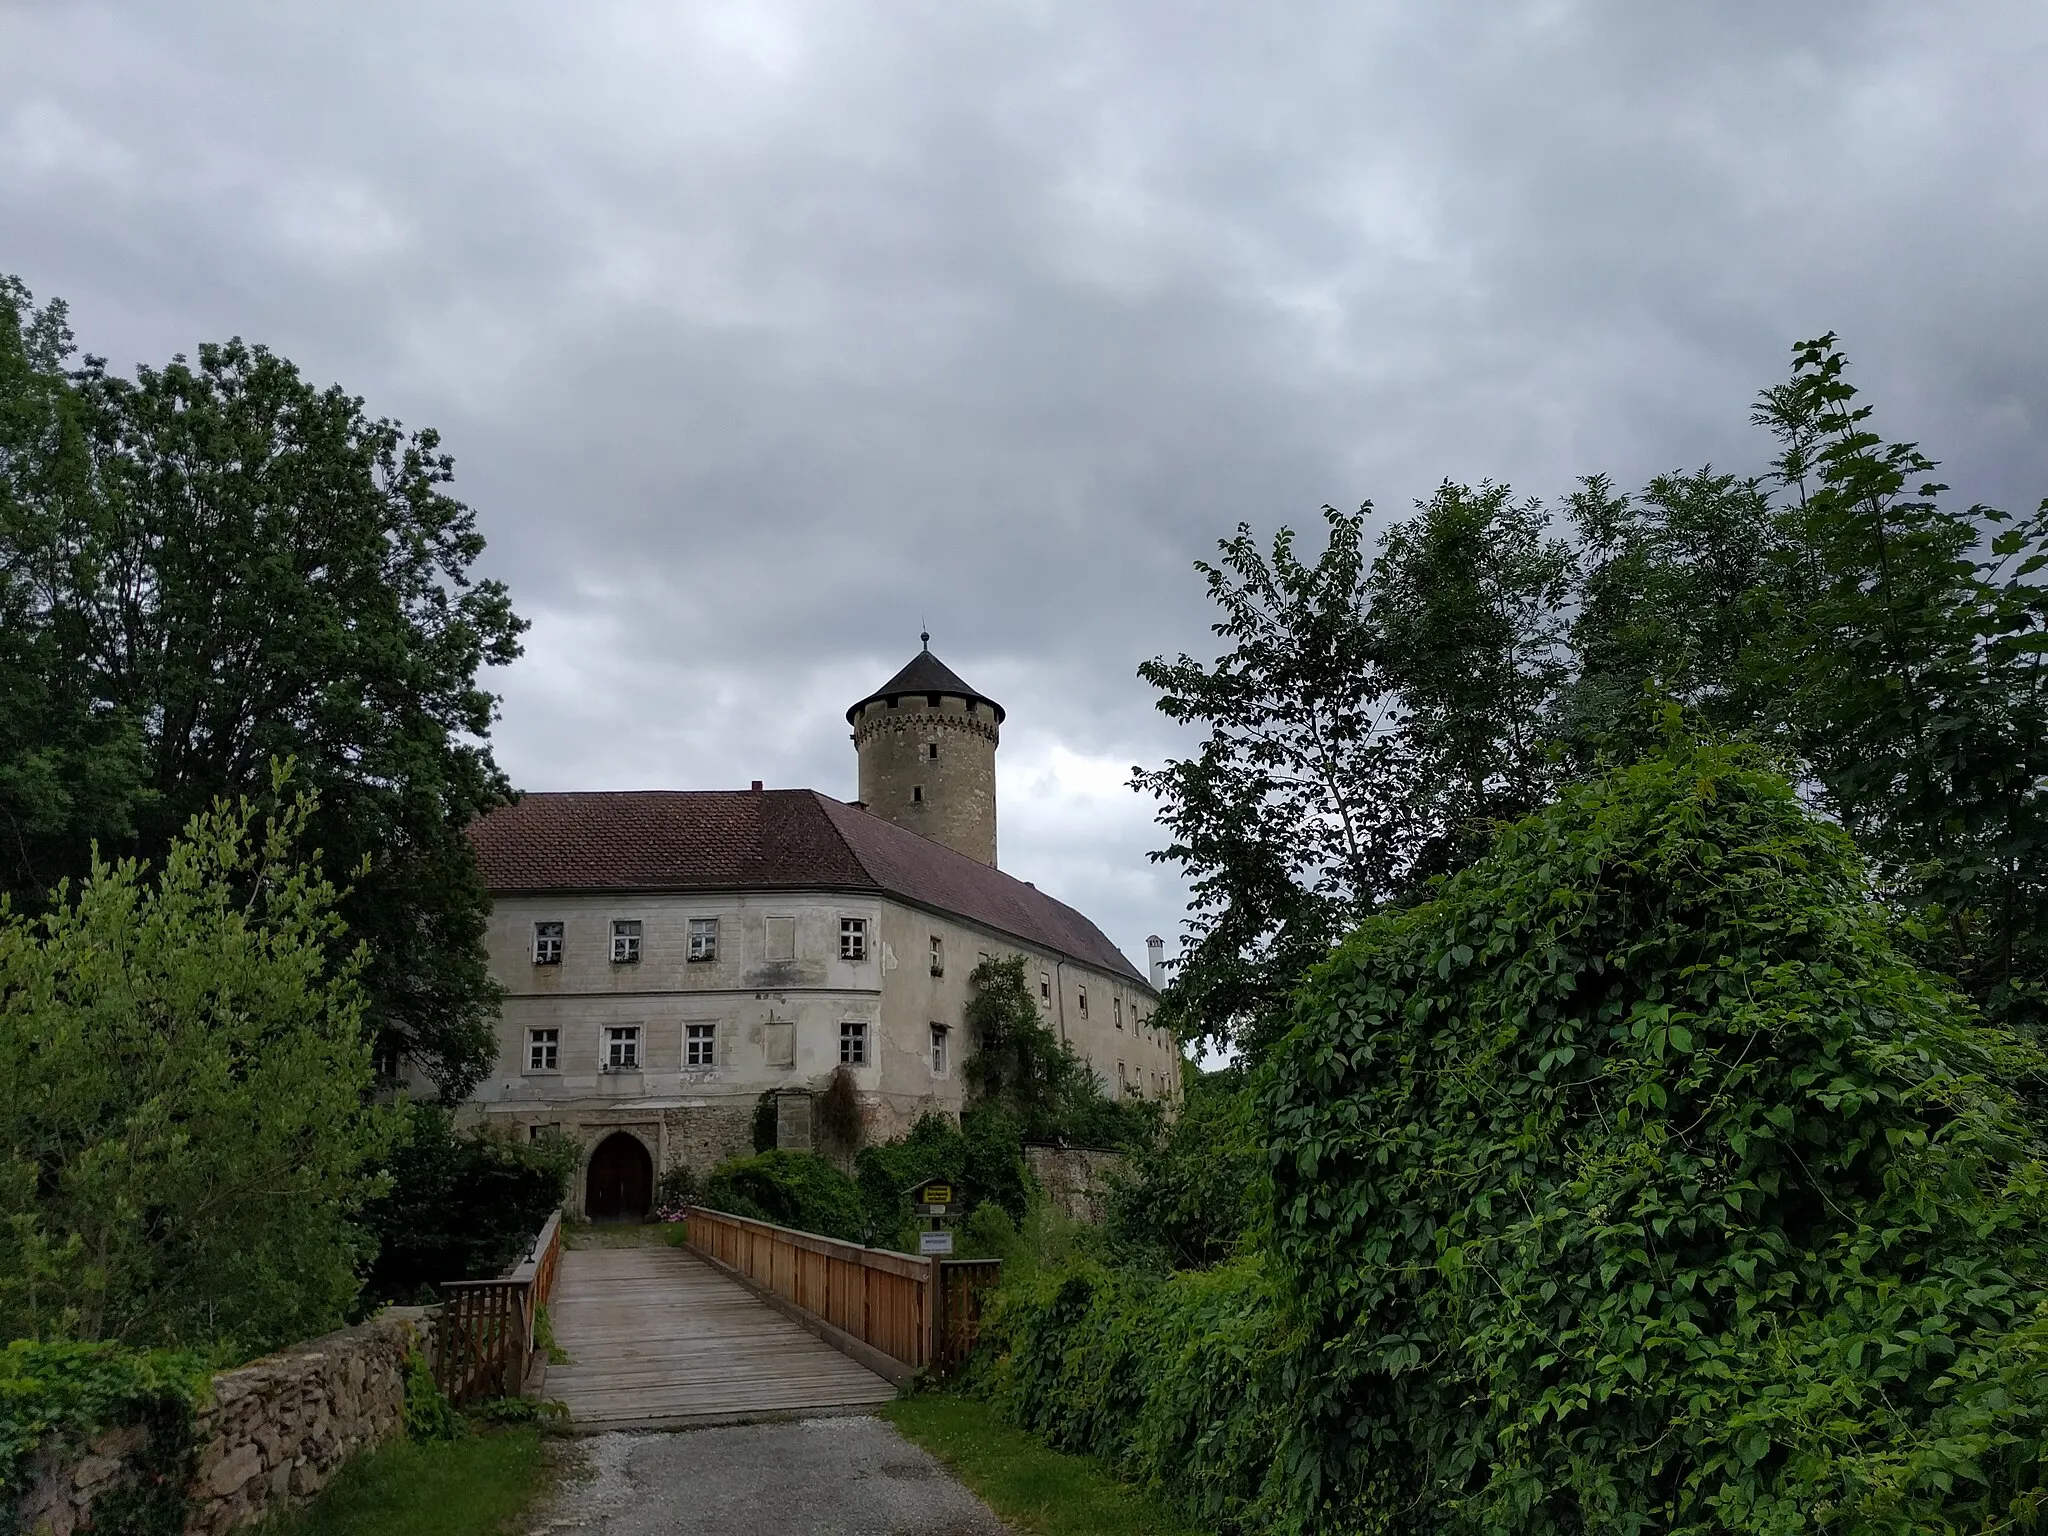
(749, 1321)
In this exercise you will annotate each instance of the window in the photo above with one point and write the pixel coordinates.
(1081, 996)
(780, 937)
(387, 1058)
(778, 1043)
(547, 943)
(917, 794)
(700, 1045)
(931, 751)
(1044, 987)
(543, 1050)
(938, 955)
(1122, 1086)
(625, 941)
(853, 1042)
(536, 1132)
(939, 1035)
(703, 938)
(1116, 1010)
(853, 938)
(622, 1048)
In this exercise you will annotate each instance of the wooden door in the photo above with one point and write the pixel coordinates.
(621, 1182)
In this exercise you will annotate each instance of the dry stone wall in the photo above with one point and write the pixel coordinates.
(1076, 1179)
(273, 1432)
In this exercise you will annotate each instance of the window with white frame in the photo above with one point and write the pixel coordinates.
(1116, 1009)
(1045, 986)
(622, 1048)
(853, 938)
(625, 941)
(1081, 996)
(700, 1045)
(543, 1050)
(940, 1037)
(938, 955)
(853, 1042)
(547, 943)
(703, 938)
(778, 936)
(387, 1058)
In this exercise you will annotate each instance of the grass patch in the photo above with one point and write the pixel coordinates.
(1031, 1486)
(475, 1486)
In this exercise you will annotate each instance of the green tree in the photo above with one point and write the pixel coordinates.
(1017, 1066)
(1294, 819)
(1366, 728)
(216, 564)
(1640, 1180)
(186, 1120)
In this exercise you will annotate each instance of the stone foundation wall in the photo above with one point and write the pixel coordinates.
(274, 1432)
(1074, 1178)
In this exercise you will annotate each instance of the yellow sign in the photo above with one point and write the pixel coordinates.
(935, 1193)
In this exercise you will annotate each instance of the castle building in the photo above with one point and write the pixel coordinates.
(670, 956)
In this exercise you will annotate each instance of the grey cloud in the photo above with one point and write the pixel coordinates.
(763, 333)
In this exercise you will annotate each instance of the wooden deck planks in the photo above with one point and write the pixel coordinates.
(656, 1336)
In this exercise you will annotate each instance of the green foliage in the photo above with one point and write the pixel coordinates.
(429, 1415)
(764, 1121)
(1372, 722)
(790, 1189)
(1185, 1385)
(1638, 1181)
(983, 1156)
(505, 1412)
(1019, 1066)
(1369, 721)
(1194, 1196)
(217, 564)
(58, 1396)
(838, 1114)
(676, 1191)
(186, 1128)
(459, 1206)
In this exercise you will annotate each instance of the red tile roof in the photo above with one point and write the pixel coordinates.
(777, 839)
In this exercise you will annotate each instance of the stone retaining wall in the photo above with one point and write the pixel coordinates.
(274, 1431)
(1074, 1178)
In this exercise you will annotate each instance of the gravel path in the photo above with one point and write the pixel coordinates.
(850, 1476)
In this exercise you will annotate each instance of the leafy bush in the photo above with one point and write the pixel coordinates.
(1636, 1182)
(186, 1136)
(59, 1396)
(461, 1206)
(983, 1156)
(1193, 1195)
(790, 1189)
(676, 1191)
(1020, 1065)
(764, 1121)
(1184, 1384)
(428, 1413)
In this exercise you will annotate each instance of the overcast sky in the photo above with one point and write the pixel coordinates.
(762, 334)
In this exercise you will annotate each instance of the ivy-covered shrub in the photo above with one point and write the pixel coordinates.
(983, 1156)
(1185, 1384)
(461, 1205)
(1193, 1196)
(790, 1189)
(1637, 1182)
(60, 1395)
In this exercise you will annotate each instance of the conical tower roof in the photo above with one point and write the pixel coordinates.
(925, 673)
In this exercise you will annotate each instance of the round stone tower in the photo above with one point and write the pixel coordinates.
(927, 748)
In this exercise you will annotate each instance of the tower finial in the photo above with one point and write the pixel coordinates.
(926, 637)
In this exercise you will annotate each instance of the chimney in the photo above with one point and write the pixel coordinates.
(1155, 952)
(757, 786)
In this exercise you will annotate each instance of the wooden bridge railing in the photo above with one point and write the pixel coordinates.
(484, 1338)
(896, 1305)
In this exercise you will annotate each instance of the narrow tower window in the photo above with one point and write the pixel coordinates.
(931, 750)
(917, 794)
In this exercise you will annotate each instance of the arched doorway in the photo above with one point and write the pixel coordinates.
(621, 1181)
